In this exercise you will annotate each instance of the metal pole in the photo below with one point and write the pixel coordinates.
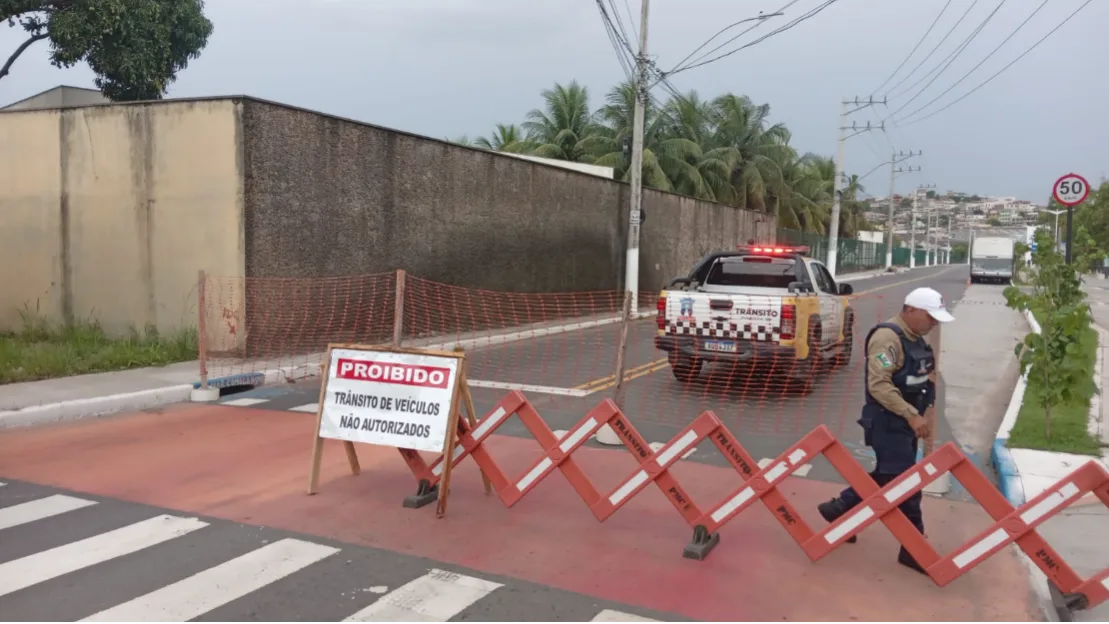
(912, 231)
(1070, 233)
(631, 269)
(928, 239)
(837, 190)
(889, 224)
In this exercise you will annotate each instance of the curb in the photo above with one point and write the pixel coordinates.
(95, 406)
(1012, 487)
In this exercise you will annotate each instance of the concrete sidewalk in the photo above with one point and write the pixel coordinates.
(1080, 533)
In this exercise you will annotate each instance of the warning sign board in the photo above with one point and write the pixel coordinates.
(390, 396)
(398, 399)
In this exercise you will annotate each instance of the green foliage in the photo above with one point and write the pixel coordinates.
(1059, 369)
(41, 350)
(1091, 230)
(725, 150)
(135, 47)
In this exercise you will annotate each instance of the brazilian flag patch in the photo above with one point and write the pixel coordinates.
(884, 360)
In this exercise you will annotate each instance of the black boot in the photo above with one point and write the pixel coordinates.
(831, 511)
(907, 560)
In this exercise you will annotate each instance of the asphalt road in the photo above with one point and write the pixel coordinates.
(567, 374)
(66, 557)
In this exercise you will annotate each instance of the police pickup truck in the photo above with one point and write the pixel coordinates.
(758, 304)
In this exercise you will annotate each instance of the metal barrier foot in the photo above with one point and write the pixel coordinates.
(1076, 601)
(425, 495)
(702, 544)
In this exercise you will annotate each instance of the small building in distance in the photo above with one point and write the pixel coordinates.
(62, 96)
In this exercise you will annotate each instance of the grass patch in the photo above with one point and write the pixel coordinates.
(42, 351)
(1068, 422)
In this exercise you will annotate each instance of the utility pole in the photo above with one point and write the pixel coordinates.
(912, 224)
(894, 160)
(947, 252)
(631, 269)
(837, 185)
(1056, 213)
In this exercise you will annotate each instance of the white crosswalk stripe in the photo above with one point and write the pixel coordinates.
(39, 509)
(434, 595)
(200, 593)
(48, 564)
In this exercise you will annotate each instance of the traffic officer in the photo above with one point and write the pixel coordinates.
(899, 392)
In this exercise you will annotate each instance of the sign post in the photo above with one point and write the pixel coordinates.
(1070, 190)
(408, 399)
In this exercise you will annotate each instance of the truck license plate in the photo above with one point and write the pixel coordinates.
(722, 346)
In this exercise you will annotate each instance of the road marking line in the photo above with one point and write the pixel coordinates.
(244, 402)
(503, 385)
(2, 484)
(219, 585)
(627, 372)
(48, 564)
(611, 615)
(39, 509)
(307, 407)
(916, 279)
(655, 367)
(434, 597)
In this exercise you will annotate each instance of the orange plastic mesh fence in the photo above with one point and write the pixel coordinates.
(258, 330)
(563, 346)
(282, 326)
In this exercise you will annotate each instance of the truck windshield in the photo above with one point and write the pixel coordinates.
(756, 271)
(993, 264)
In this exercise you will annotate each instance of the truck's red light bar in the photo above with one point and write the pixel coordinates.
(776, 250)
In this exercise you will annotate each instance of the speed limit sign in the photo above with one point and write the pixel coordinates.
(1071, 189)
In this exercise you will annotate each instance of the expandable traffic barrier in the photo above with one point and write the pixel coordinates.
(761, 485)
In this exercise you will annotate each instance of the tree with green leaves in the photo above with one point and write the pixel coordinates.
(135, 48)
(1052, 358)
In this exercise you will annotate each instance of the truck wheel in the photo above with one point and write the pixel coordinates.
(685, 369)
(806, 371)
(843, 358)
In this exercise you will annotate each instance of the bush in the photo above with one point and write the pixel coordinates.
(41, 350)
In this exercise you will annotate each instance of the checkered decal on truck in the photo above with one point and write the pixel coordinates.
(720, 329)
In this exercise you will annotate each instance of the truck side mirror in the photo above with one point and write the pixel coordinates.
(846, 289)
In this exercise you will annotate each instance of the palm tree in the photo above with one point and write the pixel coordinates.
(757, 172)
(560, 129)
(506, 138)
(668, 161)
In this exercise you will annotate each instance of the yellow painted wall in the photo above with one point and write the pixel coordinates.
(145, 196)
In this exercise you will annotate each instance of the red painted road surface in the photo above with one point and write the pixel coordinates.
(252, 466)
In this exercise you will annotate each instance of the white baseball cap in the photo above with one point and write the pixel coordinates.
(930, 300)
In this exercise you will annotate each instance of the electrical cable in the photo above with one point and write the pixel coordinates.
(678, 66)
(929, 55)
(1000, 71)
(913, 51)
(975, 68)
(951, 58)
(788, 26)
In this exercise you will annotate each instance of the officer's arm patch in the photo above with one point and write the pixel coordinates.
(884, 360)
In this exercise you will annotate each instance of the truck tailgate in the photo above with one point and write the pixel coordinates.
(723, 316)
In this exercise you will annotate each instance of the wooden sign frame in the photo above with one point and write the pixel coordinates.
(459, 393)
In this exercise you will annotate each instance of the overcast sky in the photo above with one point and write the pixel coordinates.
(453, 67)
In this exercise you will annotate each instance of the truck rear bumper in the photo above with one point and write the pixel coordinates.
(720, 350)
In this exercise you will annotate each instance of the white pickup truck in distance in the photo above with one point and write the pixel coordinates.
(759, 305)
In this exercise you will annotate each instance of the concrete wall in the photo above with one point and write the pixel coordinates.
(326, 196)
(110, 211)
(59, 97)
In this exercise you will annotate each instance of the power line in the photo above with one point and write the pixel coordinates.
(631, 20)
(620, 25)
(959, 50)
(906, 60)
(788, 26)
(929, 55)
(1000, 71)
(616, 41)
(781, 10)
(975, 68)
